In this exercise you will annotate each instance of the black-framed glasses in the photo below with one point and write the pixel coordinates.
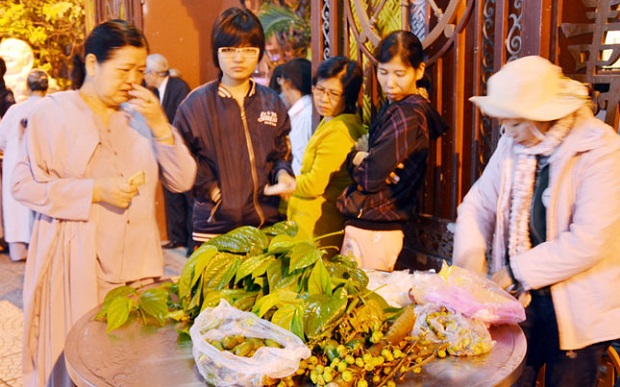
(320, 91)
(231, 52)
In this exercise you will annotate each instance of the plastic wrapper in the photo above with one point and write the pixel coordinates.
(468, 293)
(223, 368)
(465, 336)
(392, 286)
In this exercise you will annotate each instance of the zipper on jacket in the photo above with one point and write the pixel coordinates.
(248, 142)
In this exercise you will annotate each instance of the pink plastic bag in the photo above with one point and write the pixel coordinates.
(467, 293)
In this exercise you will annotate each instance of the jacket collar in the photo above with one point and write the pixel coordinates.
(223, 92)
(588, 133)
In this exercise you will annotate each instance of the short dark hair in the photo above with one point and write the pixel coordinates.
(2, 67)
(350, 74)
(37, 80)
(2, 72)
(402, 43)
(299, 72)
(274, 81)
(103, 41)
(236, 27)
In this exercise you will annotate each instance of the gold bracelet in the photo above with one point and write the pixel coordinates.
(164, 138)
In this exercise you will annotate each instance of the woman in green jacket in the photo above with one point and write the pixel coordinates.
(323, 176)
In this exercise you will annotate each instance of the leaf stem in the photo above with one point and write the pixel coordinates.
(340, 232)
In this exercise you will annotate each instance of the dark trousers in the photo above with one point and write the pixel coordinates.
(178, 207)
(577, 368)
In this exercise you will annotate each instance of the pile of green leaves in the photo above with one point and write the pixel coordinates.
(279, 277)
(354, 336)
(282, 278)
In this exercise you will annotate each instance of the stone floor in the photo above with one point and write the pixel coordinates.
(11, 317)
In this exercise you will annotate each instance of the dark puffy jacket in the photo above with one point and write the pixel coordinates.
(401, 133)
(238, 150)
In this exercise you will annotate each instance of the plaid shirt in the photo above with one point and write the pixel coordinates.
(401, 133)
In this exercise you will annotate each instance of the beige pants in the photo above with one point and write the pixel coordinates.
(373, 249)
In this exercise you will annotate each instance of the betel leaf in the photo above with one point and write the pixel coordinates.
(253, 264)
(213, 298)
(205, 260)
(312, 318)
(245, 302)
(229, 274)
(347, 260)
(275, 272)
(261, 269)
(118, 292)
(290, 317)
(275, 299)
(281, 244)
(186, 280)
(356, 278)
(216, 268)
(303, 255)
(290, 282)
(154, 302)
(319, 281)
(240, 240)
(286, 227)
(118, 312)
(193, 302)
(321, 311)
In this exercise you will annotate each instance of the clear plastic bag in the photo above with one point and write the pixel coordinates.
(465, 336)
(468, 293)
(223, 368)
(392, 286)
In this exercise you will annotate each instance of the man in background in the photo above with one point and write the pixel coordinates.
(296, 87)
(171, 90)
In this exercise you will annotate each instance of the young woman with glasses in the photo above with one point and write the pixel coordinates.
(238, 132)
(323, 175)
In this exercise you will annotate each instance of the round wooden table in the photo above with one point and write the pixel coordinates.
(139, 355)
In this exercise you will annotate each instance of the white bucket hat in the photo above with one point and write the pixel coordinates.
(531, 88)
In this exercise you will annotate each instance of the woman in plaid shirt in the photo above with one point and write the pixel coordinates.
(389, 172)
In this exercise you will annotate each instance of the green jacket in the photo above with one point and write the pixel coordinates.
(324, 176)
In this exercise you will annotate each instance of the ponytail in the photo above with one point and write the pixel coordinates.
(79, 72)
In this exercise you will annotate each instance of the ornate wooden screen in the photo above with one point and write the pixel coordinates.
(593, 41)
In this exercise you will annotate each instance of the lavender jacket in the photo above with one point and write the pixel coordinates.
(77, 244)
(581, 258)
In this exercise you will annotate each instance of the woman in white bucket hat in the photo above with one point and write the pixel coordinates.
(549, 203)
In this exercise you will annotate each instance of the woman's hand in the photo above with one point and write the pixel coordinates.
(393, 178)
(359, 157)
(145, 102)
(114, 191)
(285, 188)
(503, 279)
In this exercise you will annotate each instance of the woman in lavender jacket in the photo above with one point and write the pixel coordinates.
(89, 169)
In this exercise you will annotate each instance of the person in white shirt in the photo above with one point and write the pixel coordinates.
(18, 219)
(296, 83)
